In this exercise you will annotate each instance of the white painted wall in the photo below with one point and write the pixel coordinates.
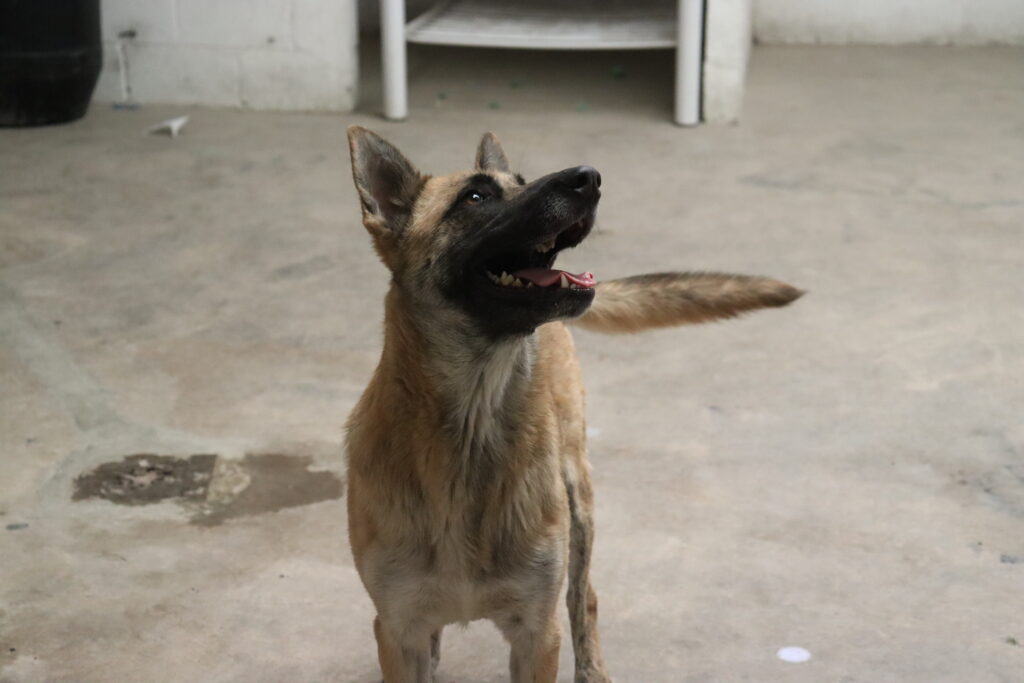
(958, 22)
(259, 54)
(727, 39)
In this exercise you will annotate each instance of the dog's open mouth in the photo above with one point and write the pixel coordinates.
(528, 270)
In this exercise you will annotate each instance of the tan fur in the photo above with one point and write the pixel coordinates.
(644, 302)
(469, 491)
(418, 508)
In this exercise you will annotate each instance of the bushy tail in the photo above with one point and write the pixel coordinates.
(644, 302)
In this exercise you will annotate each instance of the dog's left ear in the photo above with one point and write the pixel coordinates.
(490, 156)
(388, 186)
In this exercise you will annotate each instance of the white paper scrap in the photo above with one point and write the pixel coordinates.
(792, 654)
(171, 126)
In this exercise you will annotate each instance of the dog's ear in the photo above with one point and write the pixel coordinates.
(388, 186)
(490, 156)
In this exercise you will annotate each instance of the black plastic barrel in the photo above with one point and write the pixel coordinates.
(50, 58)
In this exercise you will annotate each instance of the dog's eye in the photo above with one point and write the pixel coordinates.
(475, 197)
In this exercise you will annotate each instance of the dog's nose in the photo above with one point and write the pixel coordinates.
(585, 179)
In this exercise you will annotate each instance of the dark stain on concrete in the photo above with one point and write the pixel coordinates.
(17, 526)
(302, 269)
(1011, 559)
(276, 482)
(1001, 486)
(215, 489)
(1004, 486)
(146, 478)
(777, 181)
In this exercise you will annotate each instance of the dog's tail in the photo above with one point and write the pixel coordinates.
(644, 302)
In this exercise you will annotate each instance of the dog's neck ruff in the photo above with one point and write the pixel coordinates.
(482, 384)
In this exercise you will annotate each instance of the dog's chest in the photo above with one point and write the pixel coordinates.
(469, 518)
(480, 554)
(450, 583)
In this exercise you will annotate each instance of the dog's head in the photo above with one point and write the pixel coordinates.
(480, 242)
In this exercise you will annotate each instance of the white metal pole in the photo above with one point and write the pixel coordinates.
(392, 39)
(689, 48)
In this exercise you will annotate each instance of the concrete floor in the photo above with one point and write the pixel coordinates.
(846, 475)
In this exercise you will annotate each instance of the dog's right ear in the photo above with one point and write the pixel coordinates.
(388, 186)
(490, 156)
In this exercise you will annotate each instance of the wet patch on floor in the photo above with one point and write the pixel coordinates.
(214, 489)
(265, 482)
(146, 478)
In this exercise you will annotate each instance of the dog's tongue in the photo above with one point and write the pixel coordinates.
(545, 277)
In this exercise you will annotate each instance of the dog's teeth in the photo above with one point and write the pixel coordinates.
(545, 247)
(564, 280)
(516, 282)
(493, 277)
(529, 284)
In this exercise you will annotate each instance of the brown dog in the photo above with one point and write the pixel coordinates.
(469, 493)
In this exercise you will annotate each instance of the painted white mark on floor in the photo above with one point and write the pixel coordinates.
(793, 654)
(593, 432)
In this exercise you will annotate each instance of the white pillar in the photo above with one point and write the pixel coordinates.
(392, 39)
(689, 46)
(727, 41)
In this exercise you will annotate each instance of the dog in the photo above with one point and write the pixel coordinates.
(469, 493)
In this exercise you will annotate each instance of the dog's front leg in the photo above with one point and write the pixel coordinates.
(406, 654)
(580, 596)
(534, 657)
